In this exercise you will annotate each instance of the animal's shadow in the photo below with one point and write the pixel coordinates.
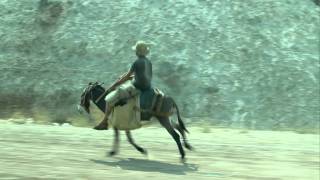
(150, 166)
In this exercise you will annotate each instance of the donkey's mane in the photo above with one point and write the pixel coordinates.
(87, 95)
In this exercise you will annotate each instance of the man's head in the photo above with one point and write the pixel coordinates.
(141, 48)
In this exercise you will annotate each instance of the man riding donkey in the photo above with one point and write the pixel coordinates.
(137, 97)
(141, 69)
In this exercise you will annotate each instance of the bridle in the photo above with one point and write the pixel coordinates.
(88, 94)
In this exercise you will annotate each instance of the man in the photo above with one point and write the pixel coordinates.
(142, 71)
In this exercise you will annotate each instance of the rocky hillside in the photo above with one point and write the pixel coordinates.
(248, 63)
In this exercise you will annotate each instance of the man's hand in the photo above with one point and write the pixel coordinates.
(131, 77)
(127, 76)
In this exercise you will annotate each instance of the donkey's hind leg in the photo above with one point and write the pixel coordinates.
(165, 122)
(184, 137)
(115, 146)
(131, 141)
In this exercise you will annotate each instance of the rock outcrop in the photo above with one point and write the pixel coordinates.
(239, 63)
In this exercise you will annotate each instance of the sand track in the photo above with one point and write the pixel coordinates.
(55, 152)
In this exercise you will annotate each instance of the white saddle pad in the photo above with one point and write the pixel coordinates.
(126, 117)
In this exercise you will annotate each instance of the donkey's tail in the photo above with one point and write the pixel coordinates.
(181, 123)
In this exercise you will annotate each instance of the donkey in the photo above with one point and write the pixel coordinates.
(95, 90)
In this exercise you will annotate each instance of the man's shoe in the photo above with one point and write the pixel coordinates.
(101, 126)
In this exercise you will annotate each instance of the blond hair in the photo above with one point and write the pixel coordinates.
(141, 48)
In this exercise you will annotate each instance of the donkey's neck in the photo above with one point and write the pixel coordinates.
(96, 93)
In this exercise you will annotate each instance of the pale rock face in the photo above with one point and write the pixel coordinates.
(241, 63)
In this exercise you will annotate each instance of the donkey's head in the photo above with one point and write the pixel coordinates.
(91, 92)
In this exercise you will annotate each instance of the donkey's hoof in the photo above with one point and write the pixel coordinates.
(188, 146)
(144, 152)
(183, 160)
(112, 153)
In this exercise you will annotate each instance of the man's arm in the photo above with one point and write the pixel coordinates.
(128, 75)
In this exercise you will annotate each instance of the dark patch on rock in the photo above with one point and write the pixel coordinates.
(212, 90)
(15, 102)
(317, 2)
(49, 12)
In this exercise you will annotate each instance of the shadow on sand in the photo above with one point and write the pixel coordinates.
(150, 166)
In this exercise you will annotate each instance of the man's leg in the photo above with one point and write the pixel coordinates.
(103, 125)
(111, 100)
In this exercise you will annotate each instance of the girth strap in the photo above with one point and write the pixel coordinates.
(154, 100)
(157, 100)
(159, 104)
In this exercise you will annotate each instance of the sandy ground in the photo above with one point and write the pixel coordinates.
(64, 152)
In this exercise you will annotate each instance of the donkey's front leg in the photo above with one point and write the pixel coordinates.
(131, 141)
(115, 146)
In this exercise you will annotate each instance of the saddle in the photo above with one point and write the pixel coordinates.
(151, 103)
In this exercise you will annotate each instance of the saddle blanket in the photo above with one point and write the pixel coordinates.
(126, 117)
